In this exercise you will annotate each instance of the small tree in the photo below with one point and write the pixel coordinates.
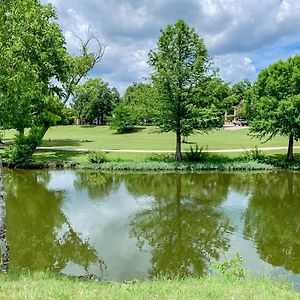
(123, 119)
(181, 67)
(276, 102)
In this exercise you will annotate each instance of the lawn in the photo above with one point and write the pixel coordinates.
(97, 138)
(43, 286)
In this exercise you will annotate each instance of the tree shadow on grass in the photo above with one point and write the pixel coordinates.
(62, 143)
(189, 143)
(282, 158)
(88, 126)
(131, 130)
(56, 156)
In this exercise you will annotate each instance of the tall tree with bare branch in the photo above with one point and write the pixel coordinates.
(37, 74)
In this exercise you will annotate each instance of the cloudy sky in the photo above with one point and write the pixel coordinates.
(242, 36)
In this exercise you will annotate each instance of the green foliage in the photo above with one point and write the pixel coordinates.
(32, 54)
(21, 152)
(67, 116)
(32, 57)
(97, 157)
(37, 75)
(255, 154)
(195, 154)
(123, 119)
(142, 99)
(276, 101)
(95, 100)
(181, 70)
(233, 268)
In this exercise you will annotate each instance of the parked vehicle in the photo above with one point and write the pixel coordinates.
(240, 122)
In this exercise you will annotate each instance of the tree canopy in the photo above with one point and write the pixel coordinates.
(32, 54)
(138, 106)
(95, 100)
(276, 102)
(37, 75)
(181, 68)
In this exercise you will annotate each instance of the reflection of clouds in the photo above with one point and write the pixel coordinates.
(239, 28)
(61, 180)
(236, 202)
(105, 225)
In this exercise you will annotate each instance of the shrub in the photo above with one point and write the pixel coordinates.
(195, 154)
(97, 157)
(21, 153)
(255, 154)
(232, 268)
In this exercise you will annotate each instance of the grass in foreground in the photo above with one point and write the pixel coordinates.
(45, 286)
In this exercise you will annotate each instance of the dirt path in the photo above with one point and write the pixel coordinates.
(161, 151)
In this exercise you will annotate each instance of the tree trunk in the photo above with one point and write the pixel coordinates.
(178, 155)
(290, 154)
(102, 119)
(4, 249)
(98, 121)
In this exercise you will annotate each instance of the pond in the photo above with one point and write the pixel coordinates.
(122, 226)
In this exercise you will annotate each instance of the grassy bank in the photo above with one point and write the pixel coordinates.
(148, 138)
(164, 162)
(42, 286)
(95, 138)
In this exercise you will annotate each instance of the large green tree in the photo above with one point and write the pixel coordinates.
(95, 100)
(181, 69)
(32, 54)
(37, 75)
(276, 102)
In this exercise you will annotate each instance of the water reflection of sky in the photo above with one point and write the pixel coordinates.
(104, 222)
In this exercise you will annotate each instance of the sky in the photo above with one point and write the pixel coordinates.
(242, 36)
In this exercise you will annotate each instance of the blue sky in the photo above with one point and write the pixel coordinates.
(242, 36)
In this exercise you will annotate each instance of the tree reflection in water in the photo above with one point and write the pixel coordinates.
(183, 224)
(40, 235)
(272, 219)
(98, 185)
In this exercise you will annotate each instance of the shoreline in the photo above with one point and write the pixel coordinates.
(173, 166)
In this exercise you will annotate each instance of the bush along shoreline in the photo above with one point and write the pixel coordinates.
(146, 165)
(194, 160)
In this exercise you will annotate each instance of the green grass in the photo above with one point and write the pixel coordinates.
(102, 137)
(45, 286)
(95, 138)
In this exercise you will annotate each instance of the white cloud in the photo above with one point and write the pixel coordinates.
(236, 32)
(235, 67)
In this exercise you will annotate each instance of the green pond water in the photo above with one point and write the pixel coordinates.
(124, 226)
